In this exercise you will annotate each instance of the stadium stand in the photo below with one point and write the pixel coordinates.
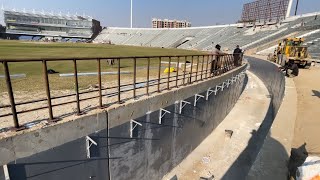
(204, 38)
(50, 25)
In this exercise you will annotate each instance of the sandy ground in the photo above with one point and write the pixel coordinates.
(307, 125)
(216, 161)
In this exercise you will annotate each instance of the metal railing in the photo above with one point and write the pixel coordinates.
(201, 67)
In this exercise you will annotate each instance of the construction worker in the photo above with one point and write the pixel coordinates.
(216, 64)
(279, 54)
(237, 54)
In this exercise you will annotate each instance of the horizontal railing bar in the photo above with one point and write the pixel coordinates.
(94, 58)
(101, 58)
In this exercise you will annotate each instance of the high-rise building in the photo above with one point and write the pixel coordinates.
(166, 23)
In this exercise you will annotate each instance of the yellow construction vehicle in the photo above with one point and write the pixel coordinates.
(293, 50)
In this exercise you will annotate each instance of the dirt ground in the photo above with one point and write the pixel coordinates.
(307, 125)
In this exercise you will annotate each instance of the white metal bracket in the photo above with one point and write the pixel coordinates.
(89, 143)
(217, 89)
(228, 83)
(223, 85)
(182, 105)
(238, 77)
(196, 98)
(234, 79)
(162, 113)
(209, 92)
(132, 127)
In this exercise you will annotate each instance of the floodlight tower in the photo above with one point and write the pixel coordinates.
(131, 15)
(289, 8)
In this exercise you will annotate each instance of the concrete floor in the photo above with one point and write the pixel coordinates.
(222, 157)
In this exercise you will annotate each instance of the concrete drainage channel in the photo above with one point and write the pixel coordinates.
(141, 140)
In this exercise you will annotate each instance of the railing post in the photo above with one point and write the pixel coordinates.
(185, 69)
(100, 84)
(191, 74)
(11, 96)
(134, 77)
(197, 69)
(212, 64)
(159, 74)
(119, 83)
(76, 83)
(47, 86)
(168, 83)
(208, 59)
(202, 68)
(148, 76)
(177, 78)
(219, 64)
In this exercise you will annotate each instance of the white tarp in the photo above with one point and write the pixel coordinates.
(309, 169)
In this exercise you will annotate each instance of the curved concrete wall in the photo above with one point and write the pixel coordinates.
(273, 79)
(273, 155)
(153, 151)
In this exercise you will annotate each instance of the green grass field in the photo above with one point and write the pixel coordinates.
(37, 50)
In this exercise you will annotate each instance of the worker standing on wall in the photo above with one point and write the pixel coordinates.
(237, 54)
(216, 63)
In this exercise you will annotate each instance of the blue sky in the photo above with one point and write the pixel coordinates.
(117, 12)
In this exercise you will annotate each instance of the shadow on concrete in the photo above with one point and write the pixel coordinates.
(241, 167)
(316, 93)
(21, 168)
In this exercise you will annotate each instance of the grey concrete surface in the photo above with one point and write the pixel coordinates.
(39, 140)
(273, 157)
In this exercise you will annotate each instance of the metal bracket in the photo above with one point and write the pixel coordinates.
(161, 115)
(89, 143)
(238, 77)
(223, 85)
(217, 89)
(209, 92)
(182, 105)
(228, 83)
(132, 127)
(234, 79)
(196, 98)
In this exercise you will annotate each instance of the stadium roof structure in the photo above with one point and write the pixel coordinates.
(48, 15)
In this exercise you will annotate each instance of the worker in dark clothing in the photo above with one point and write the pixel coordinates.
(216, 63)
(237, 55)
(291, 69)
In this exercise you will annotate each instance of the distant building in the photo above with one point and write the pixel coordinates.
(166, 23)
(50, 25)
